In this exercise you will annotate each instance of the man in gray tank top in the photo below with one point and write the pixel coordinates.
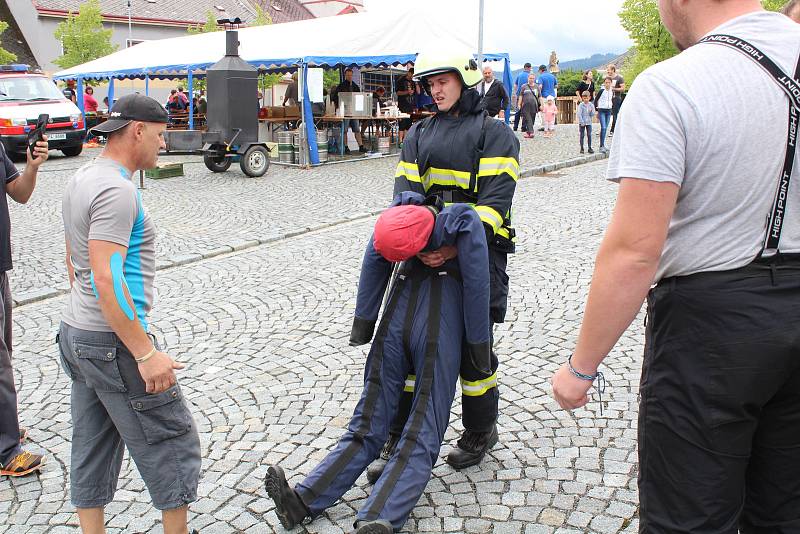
(124, 390)
(707, 209)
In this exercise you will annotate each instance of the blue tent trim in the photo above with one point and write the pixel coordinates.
(270, 64)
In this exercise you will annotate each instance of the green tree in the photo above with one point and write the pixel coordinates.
(652, 41)
(330, 78)
(568, 81)
(5, 55)
(263, 17)
(773, 5)
(82, 36)
(209, 26)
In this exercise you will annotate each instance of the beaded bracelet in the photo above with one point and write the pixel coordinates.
(146, 356)
(601, 381)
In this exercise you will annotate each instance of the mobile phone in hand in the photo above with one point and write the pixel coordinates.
(37, 133)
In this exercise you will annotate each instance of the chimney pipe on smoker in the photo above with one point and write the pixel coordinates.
(231, 42)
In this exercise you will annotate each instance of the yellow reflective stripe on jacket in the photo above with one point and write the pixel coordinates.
(410, 381)
(504, 233)
(495, 166)
(490, 216)
(445, 177)
(478, 387)
(408, 170)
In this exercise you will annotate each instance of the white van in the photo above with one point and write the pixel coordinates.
(24, 95)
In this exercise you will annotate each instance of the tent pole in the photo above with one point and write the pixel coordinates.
(507, 84)
(146, 85)
(190, 87)
(79, 99)
(308, 146)
(110, 93)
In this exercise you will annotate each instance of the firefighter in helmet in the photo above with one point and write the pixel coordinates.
(463, 156)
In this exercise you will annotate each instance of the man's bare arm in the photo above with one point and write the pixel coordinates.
(624, 271)
(106, 260)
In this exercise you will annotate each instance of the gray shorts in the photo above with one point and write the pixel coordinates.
(111, 411)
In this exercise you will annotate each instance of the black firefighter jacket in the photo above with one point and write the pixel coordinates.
(452, 153)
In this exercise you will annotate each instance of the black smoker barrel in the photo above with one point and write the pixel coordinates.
(232, 86)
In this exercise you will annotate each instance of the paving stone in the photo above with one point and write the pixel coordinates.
(270, 376)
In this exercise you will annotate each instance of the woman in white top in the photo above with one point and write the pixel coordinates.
(604, 102)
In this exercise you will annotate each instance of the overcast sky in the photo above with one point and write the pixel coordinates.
(529, 29)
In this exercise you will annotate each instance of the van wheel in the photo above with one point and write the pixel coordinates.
(71, 151)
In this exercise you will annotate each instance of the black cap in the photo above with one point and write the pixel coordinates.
(542, 67)
(527, 66)
(133, 107)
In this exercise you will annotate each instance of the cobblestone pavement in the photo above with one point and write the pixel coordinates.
(203, 214)
(271, 378)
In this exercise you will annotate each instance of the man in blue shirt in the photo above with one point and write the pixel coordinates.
(547, 83)
(522, 79)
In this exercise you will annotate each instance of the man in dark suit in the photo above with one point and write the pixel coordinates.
(493, 94)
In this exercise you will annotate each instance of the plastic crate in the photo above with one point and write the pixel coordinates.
(165, 170)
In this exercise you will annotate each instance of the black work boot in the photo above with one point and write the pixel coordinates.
(375, 469)
(471, 448)
(289, 507)
(381, 526)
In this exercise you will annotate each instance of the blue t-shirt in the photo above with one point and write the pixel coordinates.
(522, 79)
(548, 83)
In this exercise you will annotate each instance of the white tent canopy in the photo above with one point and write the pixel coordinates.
(364, 39)
(358, 39)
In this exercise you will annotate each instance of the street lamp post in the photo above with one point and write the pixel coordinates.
(480, 34)
(130, 35)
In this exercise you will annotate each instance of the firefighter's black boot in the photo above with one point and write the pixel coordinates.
(374, 527)
(375, 469)
(471, 448)
(289, 507)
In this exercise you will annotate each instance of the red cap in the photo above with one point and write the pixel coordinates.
(402, 232)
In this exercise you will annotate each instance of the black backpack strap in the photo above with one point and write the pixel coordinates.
(791, 87)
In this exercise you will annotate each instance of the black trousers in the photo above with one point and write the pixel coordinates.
(719, 415)
(9, 423)
(616, 103)
(517, 116)
(586, 130)
(480, 395)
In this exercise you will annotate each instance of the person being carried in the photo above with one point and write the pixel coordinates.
(586, 112)
(432, 316)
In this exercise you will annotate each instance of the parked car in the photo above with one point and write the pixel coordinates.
(24, 95)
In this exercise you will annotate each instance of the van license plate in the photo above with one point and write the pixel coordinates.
(56, 136)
